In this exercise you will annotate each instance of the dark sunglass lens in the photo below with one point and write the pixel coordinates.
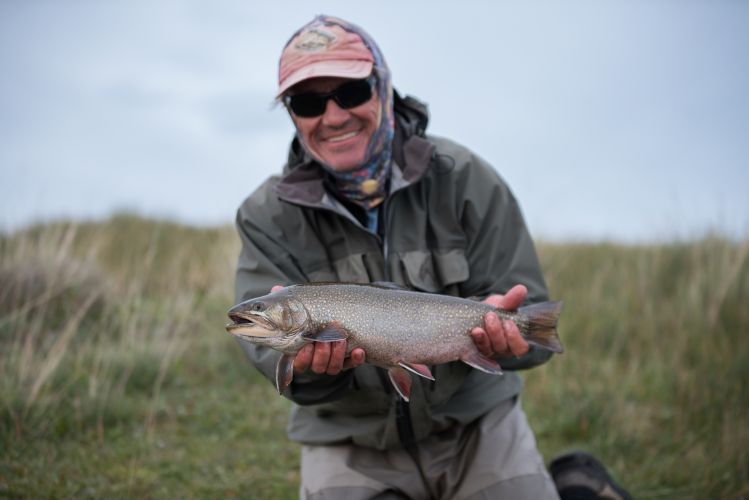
(353, 94)
(307, 105)
(348, 95)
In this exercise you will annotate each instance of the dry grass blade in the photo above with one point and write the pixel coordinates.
(59, 348)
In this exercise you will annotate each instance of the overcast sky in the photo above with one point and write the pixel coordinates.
(624, 120)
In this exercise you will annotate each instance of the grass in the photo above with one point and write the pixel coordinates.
(658, 355)
(117, 379)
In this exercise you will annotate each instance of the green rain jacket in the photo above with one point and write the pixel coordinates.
(450, 225)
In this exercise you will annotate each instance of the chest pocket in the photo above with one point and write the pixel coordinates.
(434, 271)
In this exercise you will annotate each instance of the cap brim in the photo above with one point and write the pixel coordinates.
(341, 69)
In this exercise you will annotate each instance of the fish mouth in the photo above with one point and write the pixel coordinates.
(249, 326)
(240, 318)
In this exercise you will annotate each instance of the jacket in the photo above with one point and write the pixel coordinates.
(450, 225)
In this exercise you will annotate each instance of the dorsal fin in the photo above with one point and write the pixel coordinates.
(389, 285)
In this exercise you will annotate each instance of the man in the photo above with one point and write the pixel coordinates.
(367, 196)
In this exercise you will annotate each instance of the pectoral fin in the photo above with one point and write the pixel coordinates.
(284, 372)
(420, 370)
(332, 332)
(401, 380)
(480, 362)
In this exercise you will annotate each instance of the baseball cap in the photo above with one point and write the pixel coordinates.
(323, 49)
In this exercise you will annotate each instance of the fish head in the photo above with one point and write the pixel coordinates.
(276, 320)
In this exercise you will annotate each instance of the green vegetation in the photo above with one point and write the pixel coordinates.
(117, 379)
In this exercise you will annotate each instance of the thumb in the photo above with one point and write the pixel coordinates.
(514, 298)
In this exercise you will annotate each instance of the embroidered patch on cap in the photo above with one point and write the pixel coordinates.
(315, 40)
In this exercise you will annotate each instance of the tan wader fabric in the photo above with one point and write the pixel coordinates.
(492, 458)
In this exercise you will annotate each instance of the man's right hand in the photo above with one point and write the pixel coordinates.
(326, 357)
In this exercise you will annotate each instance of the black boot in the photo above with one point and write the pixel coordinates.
(580, 476)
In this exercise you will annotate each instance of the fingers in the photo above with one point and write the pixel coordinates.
(303, 358)
(337, 356)
(276, 288)
(327, 357)
(496, 333)
(490, 339)
(356, 359)
(500, 337)
(481, 339)
(321, 359)
(516, 344)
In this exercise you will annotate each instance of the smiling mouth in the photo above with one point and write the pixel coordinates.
(342, 137)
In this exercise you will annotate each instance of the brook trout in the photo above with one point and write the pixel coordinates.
(399, 329)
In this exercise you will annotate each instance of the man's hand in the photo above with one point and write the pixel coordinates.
(497, 336)
(326, 357)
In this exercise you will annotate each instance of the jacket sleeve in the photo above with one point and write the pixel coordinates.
(264, 262)
(500, 251)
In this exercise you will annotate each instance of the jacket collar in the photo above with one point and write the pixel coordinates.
(303, 181)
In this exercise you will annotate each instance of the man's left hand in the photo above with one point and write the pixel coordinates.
(501, 337)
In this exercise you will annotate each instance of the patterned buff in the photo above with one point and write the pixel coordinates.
(366, 185)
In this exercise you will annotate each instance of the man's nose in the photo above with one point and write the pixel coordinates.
(334, 114)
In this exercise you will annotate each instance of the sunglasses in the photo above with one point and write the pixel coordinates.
(347, 96)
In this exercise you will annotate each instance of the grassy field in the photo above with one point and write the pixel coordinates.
(117, 379)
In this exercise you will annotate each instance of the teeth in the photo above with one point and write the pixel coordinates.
(342, 137)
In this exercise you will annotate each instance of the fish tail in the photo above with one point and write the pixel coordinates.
(538, 323)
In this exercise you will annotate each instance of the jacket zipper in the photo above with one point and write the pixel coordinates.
(403, 422)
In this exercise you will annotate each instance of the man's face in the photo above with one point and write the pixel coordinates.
(339, 137)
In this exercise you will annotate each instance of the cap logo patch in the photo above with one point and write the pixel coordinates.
(315, 40)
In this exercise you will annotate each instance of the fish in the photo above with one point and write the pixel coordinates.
(401, 330)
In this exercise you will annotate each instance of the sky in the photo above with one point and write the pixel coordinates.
(624, 120)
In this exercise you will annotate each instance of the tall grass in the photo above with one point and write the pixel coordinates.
(654, 377)
(117, 380)
(90, 312)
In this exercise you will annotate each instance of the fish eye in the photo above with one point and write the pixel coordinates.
(257, 307)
